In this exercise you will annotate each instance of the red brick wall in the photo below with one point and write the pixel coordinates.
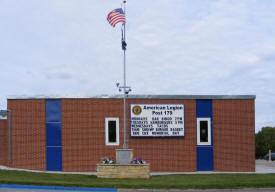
(28, 134)
(3, 142)
(169, 154)
(83, 136)
(83, 132)
(234, 135)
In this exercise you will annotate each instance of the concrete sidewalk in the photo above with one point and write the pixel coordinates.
(262, 167)
(152, 190)
(200, 190)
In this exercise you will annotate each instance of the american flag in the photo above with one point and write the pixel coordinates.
(116, 16)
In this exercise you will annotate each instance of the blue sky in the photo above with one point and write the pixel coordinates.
(55, 47)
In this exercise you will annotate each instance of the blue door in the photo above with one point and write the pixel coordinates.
(53, 135)
(204, 115)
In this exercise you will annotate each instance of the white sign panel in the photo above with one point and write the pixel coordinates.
(157, 120)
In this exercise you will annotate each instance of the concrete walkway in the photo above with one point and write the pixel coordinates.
(262, 167)
(153, 190)
(201, 190)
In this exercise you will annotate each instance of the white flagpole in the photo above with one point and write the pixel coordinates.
(125, 144)
(126, 89)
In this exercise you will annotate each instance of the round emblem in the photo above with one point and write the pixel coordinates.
(136, 110)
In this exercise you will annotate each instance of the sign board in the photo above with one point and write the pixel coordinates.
(157, 120)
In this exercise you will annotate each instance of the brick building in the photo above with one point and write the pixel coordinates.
(175, 133)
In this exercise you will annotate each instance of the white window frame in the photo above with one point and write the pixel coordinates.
(107, 119)
(209, 131)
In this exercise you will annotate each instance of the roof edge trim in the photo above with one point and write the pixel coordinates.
(133, 97)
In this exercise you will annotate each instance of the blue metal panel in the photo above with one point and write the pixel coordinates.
(205, 158)
(204, 108)
(54, 159)
(53, 110)
(205, 155)
(53, 137)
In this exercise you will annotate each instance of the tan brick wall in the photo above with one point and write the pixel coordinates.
(234, 135)
(123, 171)
(28, 134)
(4, 142)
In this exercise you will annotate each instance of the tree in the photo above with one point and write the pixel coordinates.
(265, 140)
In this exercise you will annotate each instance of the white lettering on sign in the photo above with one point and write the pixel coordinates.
(157, 120)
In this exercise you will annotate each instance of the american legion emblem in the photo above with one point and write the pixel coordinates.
(136, 110)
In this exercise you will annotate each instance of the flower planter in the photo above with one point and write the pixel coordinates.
(123, 171)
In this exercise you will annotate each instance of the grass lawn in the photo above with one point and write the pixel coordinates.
(202, 181)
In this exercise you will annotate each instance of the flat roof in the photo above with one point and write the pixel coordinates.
(133, 97)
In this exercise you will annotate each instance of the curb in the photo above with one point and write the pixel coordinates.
(58, 188)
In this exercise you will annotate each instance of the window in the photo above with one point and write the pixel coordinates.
(203, 131)
(112, 131)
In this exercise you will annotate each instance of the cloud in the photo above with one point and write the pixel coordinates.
(174, 47)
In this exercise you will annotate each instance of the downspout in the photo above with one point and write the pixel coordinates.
(9, 111)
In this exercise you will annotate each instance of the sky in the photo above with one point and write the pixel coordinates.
(177, 47)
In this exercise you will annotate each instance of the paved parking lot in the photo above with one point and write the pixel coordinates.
(263, 166)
